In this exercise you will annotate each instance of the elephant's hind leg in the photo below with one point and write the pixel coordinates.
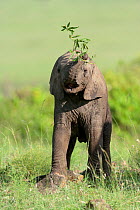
(95, 162)
(106, 144)
(94, 151)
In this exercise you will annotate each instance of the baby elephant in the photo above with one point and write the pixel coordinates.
(81, 112)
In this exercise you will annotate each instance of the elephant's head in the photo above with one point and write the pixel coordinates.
(69, 76)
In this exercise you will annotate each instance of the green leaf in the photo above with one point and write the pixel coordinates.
(73, 37)
(80, 40)
(74, 27)
(72, 31)
(68, 24)
(84, 46)
(86, 40)
(63, 29)
(77, 43)
(82, 54)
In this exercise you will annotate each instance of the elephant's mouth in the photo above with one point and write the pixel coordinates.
(71, 88)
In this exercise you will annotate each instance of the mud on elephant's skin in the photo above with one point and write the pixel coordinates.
(81, 111)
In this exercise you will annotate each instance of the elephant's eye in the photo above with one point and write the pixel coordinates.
(85, 72)
(58, 70)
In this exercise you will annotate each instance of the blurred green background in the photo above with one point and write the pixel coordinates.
(31, 40)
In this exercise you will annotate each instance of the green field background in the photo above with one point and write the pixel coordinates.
(31, 40)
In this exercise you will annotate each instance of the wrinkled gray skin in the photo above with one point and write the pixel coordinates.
(81, 111)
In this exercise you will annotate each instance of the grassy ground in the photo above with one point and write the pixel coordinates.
(25, 152)
(122, 192)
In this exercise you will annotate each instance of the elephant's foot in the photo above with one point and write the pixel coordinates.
(94, 176)
(90, 175)
(52, 181)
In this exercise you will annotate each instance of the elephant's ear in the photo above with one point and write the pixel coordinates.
(96, 87)
(55, 82)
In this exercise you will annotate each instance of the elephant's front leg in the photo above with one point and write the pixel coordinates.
(61, 137)
(70, 150)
